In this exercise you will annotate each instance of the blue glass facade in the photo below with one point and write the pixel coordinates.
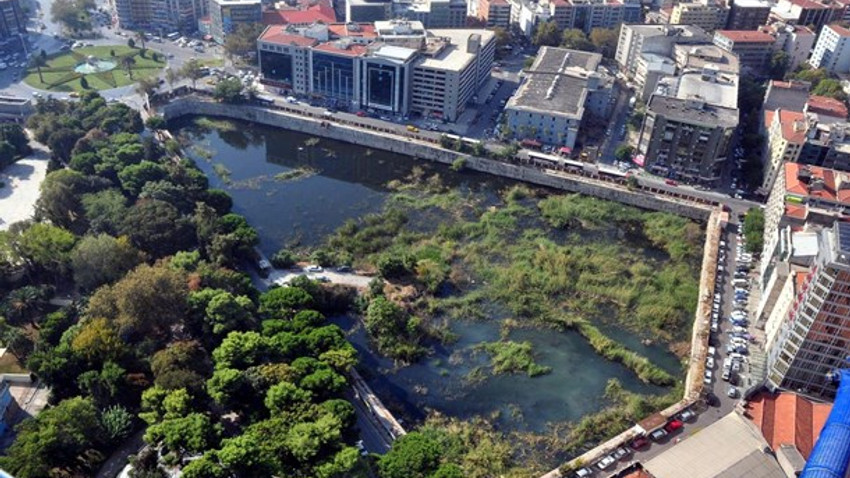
(333, 76)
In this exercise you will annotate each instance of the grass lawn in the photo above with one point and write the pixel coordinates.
(211, 62)
(62, 66)
(9, 364)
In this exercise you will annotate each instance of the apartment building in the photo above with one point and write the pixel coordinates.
(637, 40)
(160, 15)
(448, 75)
(686, 138)
(748, 14)
(709, 15)
(809, 13)
(12, 19)
(786, 138)
(832, 50)
(796, 41)
(560, 89)
(432, 13)
(754, 48)
(367, 11)
(812, 340)
(226, 14)
(394, 66)
(495, 13)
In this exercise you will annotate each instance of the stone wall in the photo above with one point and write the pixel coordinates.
(586, 184)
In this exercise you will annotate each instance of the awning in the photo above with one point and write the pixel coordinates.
(652, 423)
(531, 143)
(565, 150)
(640, 160)
(208, 38)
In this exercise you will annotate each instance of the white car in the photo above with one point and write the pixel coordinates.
(606, 462)
(313, 268)
(707, 378)
(709, 362)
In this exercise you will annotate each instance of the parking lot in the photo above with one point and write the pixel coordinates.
(732, 336)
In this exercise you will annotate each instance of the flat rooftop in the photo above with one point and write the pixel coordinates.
(454, 56)
(722, 92)
(729, 448)
(557, 82)
(700, 56)
(689, 111)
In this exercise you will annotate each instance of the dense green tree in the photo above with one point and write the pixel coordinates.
(135, 176)
(575, 39)
(192, 70)
(778, 66)
(226, 312)
(146, 303)
(624, 152)
(241, 350)
(229, 91)
(830, 87)
(98, 342)
(46, 248)
(394, 332)
(105, 211)
(754, 230)
(157, 228)
(102, 259)
(194, 433)
(54, 439)
(283, 259)
(412, 456)
(243, 40)
(283, 301)
(59, 202)
(286, 396)
(72, 14)
(547, 34)
(117, 422)
(605, 40)
(103, 385)
(181, 355)
(25, 304)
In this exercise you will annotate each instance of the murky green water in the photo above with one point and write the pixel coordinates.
(348, 181)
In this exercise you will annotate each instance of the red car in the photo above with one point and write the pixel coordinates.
(638, 443)
(361, 114)
(670, 182)
(673, 426)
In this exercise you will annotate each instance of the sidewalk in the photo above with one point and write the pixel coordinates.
(21, 186)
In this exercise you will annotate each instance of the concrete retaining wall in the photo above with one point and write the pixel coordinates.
(586, 184)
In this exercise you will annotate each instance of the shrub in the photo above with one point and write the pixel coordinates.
(283, 259)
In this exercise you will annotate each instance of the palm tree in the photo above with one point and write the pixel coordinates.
(127, 62)
(38, 61)
(172, 76)
(141, 37)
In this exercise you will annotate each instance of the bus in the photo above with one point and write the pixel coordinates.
(173, 36)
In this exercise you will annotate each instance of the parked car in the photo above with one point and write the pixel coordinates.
(732, 392)
(584, 472)
(621, 453)
(658, 434)
(313, 268)
(707, 378)
(687, 415)
(639, 443)
(605, 462)
(670, 182)
(709, 362)
(673, 426)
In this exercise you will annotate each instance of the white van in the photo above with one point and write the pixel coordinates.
(740, 282)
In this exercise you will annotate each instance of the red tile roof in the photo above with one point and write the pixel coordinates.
(832, 181)
(795, 211)
(793, 125)
(768, 119)
(333, 47)
(364, 30)
(841, 31)
(788, 419)
(827, 106)
(746, 36)
(278, 34)
(321, 12)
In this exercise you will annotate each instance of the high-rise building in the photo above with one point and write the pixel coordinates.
(814, 338)
(709, 15)
(810, 13)
(226, 14)
(495, 13)
(367, 11)
(12, 20)
(432, 13)
(748, 14)
(160, 16)
(754, 48)
(832, 51)
(391, 66)
(636, 40)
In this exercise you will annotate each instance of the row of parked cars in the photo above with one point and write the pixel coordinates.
(639, 443)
